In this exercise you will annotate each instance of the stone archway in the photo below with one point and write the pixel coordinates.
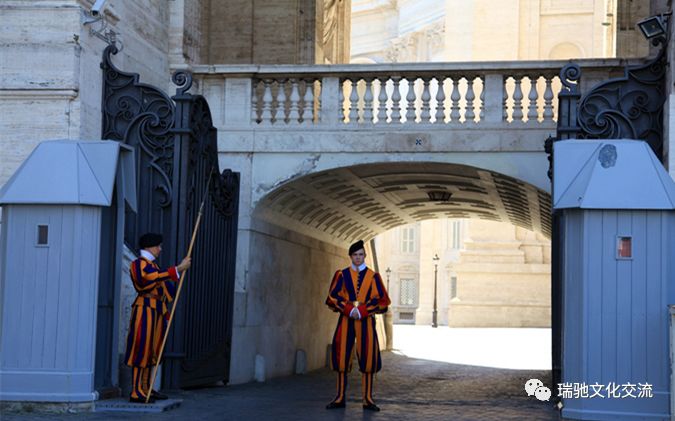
(298, 231)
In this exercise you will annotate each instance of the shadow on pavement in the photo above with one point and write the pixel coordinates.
(405, 389)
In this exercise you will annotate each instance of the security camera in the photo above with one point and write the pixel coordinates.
(97, 8)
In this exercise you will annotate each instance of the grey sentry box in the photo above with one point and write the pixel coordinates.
(60, 248)
(616, 203)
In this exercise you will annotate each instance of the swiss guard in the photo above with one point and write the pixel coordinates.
(155, 287)
(357, 293)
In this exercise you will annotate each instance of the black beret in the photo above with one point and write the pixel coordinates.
(355, 247)
(150, 240)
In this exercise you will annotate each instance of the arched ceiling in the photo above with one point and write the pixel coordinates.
(343, 205)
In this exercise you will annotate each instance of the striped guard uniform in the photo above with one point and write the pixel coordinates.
(367, 288)
(149, 315)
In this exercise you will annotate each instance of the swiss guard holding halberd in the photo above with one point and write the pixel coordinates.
(155, 287)
(357, 293)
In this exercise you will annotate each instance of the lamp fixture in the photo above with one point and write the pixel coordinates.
(653, 26)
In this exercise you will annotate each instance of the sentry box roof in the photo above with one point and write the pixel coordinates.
(609, 174)
(72, 172)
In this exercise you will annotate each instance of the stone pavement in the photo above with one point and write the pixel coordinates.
(406, 389)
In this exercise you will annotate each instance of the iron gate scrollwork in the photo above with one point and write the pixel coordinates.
(628, 107)
(176, 150)
(141, 116)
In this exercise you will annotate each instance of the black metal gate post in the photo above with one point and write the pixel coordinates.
(199, 348)
(568, 99)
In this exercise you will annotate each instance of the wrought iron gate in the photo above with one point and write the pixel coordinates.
(176, 150)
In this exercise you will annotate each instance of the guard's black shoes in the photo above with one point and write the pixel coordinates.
(371, 407)
(335, 405)
(141, 400)
(158, 396)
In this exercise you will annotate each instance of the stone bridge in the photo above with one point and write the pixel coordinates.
(331, 154)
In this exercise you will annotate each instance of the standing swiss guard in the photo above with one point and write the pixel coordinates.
(149, 314)
(357, 293)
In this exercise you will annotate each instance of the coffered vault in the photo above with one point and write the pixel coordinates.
(359, 202)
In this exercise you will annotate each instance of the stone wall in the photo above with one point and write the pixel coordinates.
(50, 80)
(187, 32)
(503, 278)
(279, 303)
(274, 32)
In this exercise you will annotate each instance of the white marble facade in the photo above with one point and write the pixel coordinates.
(478, 30)
(489, 274)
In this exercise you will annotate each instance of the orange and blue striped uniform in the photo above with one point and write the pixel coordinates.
(155, 287)
(367, 288)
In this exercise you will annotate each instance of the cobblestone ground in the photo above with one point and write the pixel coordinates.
(406, 389)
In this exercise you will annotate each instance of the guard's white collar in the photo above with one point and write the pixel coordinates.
(360, 268)
(147, 255)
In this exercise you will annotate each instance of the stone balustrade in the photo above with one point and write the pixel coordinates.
(522, 94)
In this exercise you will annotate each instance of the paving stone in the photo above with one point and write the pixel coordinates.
(406, 389)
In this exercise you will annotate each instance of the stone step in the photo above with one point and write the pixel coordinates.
(123, 405)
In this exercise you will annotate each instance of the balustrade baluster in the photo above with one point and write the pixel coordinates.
(305, 112)
(294, 111)
(396, 101)
(506, 99)
(254, 101)
(368, 101)
(481, 107)
(382, 101)
(454, 101)
(548, 100)
(316, 86)
(532, 112)
(440, 101)
(267, 114)
(469, 114)
(518, 100)
(410, 98)
(341, 100)
(425, 113)
(354, 102)
(282, 102)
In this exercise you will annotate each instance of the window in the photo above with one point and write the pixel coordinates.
(406, 315)
(624, 248)
(453, 287)
(408, 292)
(408, 240)
(42, 235)
(456, 234)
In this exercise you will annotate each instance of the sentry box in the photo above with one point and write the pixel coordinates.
(60, 242)
(616, 203)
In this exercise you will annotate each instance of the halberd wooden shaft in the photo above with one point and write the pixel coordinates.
(180, 287)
